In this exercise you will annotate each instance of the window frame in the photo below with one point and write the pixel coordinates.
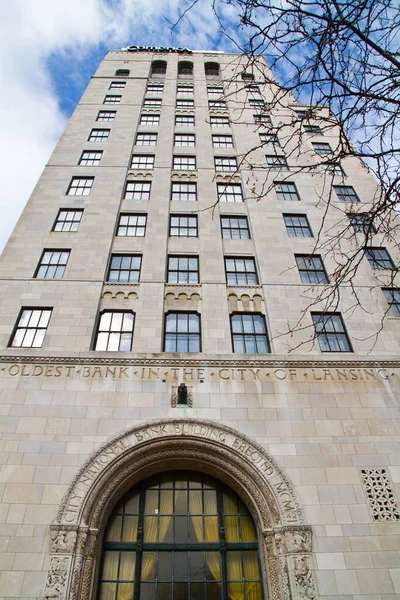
(180, 183)
(191, 140)
(294, 227)
(237, 272)
(190, 118)
(152, 103)
(17, 327)
(112, 99)
(343, 332)
(148, 163)
(67, 210)
(155, 119)
(231, 229)
(120, 270)
(84, 187)
(101, 114)
(291, 193)
(361, 223)
(41, 265)
(129, 182)
(325, 151)
(109, 331)
(306, 267)
(117, 85)
(188, 160)
(183, 89)
(341, 197)
(184, 103)
(244, 334)
(94, 161)
(228, 164)
(95, 138)
(157, 87)
(392, 292)
(179, 270)
(276, 162)
(144, 136)
(177, 333)
(128, 225)
(372, 262)
(219, 145)
(219, 121)
(224, 195)
(179, 226)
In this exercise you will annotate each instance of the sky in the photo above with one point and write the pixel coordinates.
(49, 49)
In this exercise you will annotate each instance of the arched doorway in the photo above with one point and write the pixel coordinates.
(181, 535)
(231, 459)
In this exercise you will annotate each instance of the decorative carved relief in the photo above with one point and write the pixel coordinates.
(250, 301)
(303, 576)
(228, 178)
(187, 176)
(381, 498)
(118, 294)
(56, 578)
(63, 541)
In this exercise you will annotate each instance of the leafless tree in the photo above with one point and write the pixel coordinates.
(338, 68)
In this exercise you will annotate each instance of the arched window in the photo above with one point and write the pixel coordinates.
(158, 68)
(185, 69)
(180, 535)
(212, 70)
(122, 72)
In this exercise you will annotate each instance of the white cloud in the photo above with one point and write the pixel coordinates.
(32, 32)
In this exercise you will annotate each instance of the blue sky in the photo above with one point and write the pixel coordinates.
(49, 49)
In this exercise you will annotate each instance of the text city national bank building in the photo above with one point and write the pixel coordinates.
(158, 441)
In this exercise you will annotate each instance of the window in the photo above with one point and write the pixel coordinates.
(158, 68)
(222, 141)
(235, 228)
(286, 191)
(269, 139)
(333, 169)
(247, 76)
(330, 331)
(106, 115)
(80, 186)
(184, 103)
(276, 163)
(186, 192)
(215, 90)
(183, 226)
(249, 334)
(117, 85)
(164, 504)
(226, 165)
(322, 149)
(152, 103)
(115, 331)
(124, 268)
(256, 103)
(31, 328)
(90, 159)
(182, 334)
(131, 225)
(217, 104)
(311, 269)
(379, 258)
(219, 121)
(185, 69)
(122, 72)
(52, 264)
(149, 119)
(155, 88)
(137, 190)
(263, 120)
(146, 139)
(99, 135)
(313, 129)
(230, 193)
(184, 163)
(346, 193)
(240, 271)
(254, 91)
(183, 269)
(187, 120)
(68, 220)
(392, 296)
(297, 226)
(112, 100)
(142, 161)
(211, 70)
(302, 114)
(362, 222)
(184, 90)
(184, 139)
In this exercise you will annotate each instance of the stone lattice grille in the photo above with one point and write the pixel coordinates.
(382, 501)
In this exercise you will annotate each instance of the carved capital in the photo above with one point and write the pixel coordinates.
(303, 577)
(57, 577)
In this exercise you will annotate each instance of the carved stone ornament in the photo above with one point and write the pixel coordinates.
(174, 397)
(303, 576)
(154, 447)
(56, 577)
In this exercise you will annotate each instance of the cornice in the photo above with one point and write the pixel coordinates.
(204, 362)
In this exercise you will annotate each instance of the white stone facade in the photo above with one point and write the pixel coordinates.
(328, 422)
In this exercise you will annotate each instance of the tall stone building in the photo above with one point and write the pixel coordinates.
(158, 440)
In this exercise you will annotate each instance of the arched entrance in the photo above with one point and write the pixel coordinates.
(160, 446)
